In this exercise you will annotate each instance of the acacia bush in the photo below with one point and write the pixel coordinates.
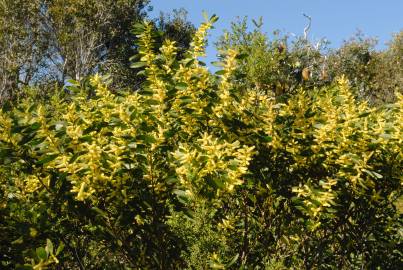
(194, 172)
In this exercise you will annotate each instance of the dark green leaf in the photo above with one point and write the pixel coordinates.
(46, 159)
(364, 114)
(214, 18)
(233, 261)
(147, 138)
(220, 72)
(41, 253)
(99, 211)
(241, 56)
(181, 86)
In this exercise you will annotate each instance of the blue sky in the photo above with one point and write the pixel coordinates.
(335, 20)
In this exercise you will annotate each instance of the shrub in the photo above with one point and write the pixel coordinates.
(193, 172)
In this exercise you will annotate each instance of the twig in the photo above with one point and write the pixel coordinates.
(308, 27)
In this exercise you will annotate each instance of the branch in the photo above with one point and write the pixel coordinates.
(308, 27)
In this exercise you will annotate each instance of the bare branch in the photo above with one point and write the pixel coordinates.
(308, 27)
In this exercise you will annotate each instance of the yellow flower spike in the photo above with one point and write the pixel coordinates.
(199, 40)
(95, 80)
(226, 224)
(81, 195)
(74, 132)
(32, 183)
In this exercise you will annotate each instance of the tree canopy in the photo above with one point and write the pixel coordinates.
(46, 42)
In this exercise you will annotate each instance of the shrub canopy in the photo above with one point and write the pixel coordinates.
(194, 172)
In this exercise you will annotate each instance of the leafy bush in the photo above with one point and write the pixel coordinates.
(282, 64)
(194, 172)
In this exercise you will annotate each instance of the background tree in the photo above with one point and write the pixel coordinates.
(176, 27)
(282, 64)
(376, 74)
(46, 42)
(389, 79)
(22, 45)
(274, 65)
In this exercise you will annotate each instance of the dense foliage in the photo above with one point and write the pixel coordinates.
(46, 42)
(195, 172)
(284, 63)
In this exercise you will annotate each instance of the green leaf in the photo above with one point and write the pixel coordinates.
(377, 175)
(181, 86)
(217, 265)
(233, 261)
(26, 138)
(267, 138)
(138, 28)
(73, 82)
(99, 211)
(365, 114)
(35, 126)
(232, 164)
(141, 73)
(241, 56)
(146, 92)
(188, 62)
(182, 196)
(24, 267)
(41, 253)
(134, 57)
(152, 102)
(49, 246)
(217, 63)
(46, 159)
(59, 248)
(214, 18)
(138, 64)
(75, 156)
(169, 134)
(220, 72)
(252, 198)
(37, 141)
(219, 182)
(258, 24)
(147, 138)
(172, 180)
(18, 241)
(85, 138)
(373, 174)
(331, 210)
(181, 193)
(186, 100)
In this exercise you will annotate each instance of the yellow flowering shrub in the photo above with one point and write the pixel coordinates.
(189, 167)
(343, 140)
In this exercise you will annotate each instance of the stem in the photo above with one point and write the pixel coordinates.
(245, 245)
